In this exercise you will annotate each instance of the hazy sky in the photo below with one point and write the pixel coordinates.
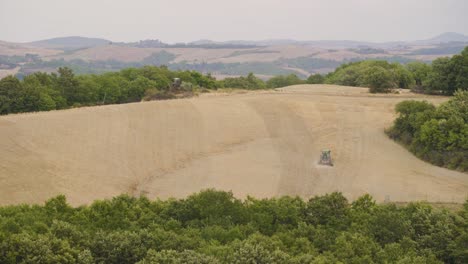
(188, 20)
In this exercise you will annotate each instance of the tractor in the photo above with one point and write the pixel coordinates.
(325, 158)
(175, 85)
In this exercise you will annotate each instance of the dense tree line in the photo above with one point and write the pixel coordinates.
(215, 227)
(443, 76)
(42, 91)
(379, 76)
(250, 82)
(436, 134)
(284, 80)
(448, 75)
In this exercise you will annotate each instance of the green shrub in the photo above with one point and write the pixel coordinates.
(438, 135)
(283, 81)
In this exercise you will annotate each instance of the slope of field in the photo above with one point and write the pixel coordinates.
(261, 144)
(15, 49)
(192, 55)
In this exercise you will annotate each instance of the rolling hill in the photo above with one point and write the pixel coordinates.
(229, 58)
(69, 43)
(262, 144)
(448, 37)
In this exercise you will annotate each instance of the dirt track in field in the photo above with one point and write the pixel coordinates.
(261, 144)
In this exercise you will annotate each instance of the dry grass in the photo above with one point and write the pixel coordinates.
(262, 144)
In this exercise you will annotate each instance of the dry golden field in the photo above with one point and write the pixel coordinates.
(262, 144)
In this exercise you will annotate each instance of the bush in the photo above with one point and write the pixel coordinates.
(378, 80)
(250, 82)
(438, 135)
(283, 81)
(315, 79)
(379, 76)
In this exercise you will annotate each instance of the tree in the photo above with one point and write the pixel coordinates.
(283, 81)
(460, 66)
(254, 82)
(138, 87)
(387, 225)
(412, 114)
(315, 79)
(438, 80)
(380, 76)
(215, 207)
(10, 90)
(67, 84)
(330, 209)
(249, 82)
(420, 72)
(438, 135)
(403, 77)
(378, 80)
(355, 248)
(206, 228)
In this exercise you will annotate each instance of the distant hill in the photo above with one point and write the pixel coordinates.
(445, 38)
(76, 42)
(450, 37)
(221, 58)
(266, 42)
(70, 43)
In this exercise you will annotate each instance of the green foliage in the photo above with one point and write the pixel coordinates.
(249, 82)
(380, 76)
(378, 80)
(283, 81)
(448, 74)
(215, 227)
(10, 94)
(444, 76)
(331, 209)
(438, 135)
(238, 68)
(420, 72)
(44, 92)
(315, 79)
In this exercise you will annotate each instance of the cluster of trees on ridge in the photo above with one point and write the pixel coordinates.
(214, 227)
(42, 92)
(443, 76)
(436, 134)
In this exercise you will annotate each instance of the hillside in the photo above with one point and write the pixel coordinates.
(262, 144)
(222, 59)
(70, 43)
(448, 37)
(17, 49)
